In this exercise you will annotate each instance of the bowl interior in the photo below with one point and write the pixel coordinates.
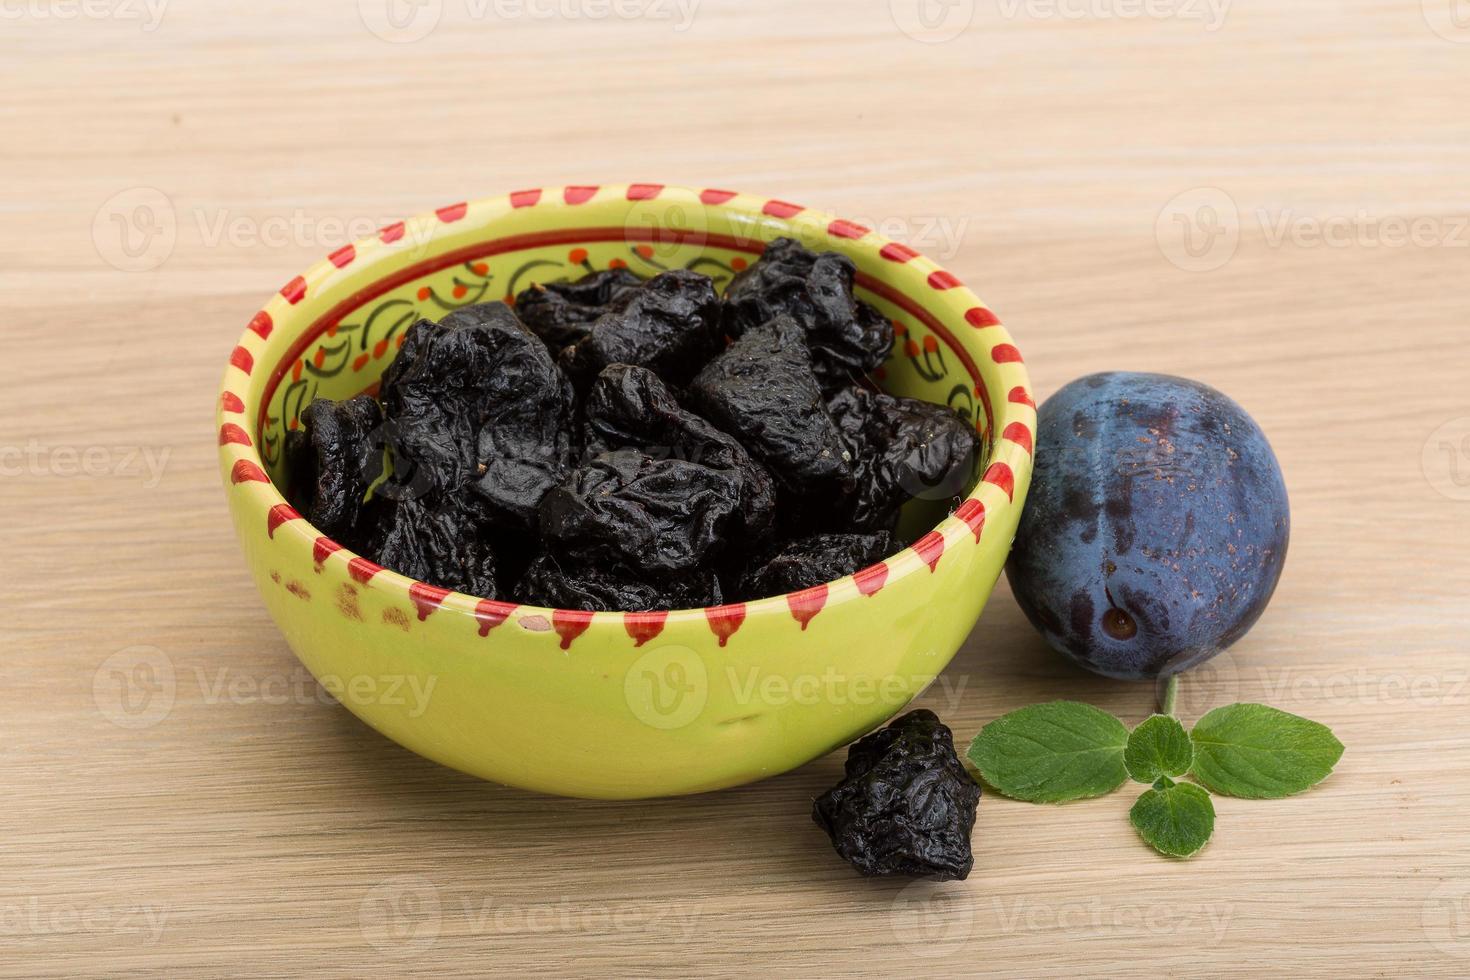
(344, 350)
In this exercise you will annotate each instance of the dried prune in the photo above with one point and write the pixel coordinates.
(670, 326)
(901, 449)
(333, 461)
(762, 391)
(548, 583)
(805, 562)
(630, 408)
(906, 805)
(655, 516)
(476, 398)
(848, 338)
(443, 543)
(562, 313)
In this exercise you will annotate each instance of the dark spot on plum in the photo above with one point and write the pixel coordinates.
(1119, 625)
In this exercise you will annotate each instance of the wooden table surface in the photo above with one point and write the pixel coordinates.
(1268, 197)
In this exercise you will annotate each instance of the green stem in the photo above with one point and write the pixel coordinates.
(1169, 695)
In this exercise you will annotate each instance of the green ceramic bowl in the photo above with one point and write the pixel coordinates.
(615, 705)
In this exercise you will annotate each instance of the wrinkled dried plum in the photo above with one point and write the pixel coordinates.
(477, 398)
(906, 805)
(848, 338)
(670, 326)
(629, 407)
(334, 461)
(655, 516)
(441, 543)
(548, 583)
(810, 561)
(901, 449)
(562, 313)
(762, 391)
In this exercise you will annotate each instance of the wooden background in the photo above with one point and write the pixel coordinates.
(248, 828)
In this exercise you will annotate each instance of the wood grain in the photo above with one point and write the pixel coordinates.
(254, 830)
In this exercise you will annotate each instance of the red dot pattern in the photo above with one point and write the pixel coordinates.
(713, 196)
(343, 257)
(972, 512)
(807, 603)
(644, 192)
(245, 471)
(453, 212)
(871, 579)
(295, 290)
(231, 402)
(391, 233)
(979, 316)
(525, 199)
(847, 229)
(322, 548)
(261, 325)
(1018, 433)
(1000, 475)
(895, 252)
(242, 359)
(278, 515)
(578, 195)
(930, 548)
(362, 570)
(782, 209)
(490, 614)
(570, 624)
(940, 279)
(1005, 354)
(644, 626)
(232, 433)
(426, 598)
(725, 620)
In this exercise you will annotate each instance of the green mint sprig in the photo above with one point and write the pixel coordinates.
(1065, 750)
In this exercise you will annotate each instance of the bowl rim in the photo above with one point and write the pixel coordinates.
(1011, 436)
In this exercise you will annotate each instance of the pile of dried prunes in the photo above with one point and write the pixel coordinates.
(620, 444)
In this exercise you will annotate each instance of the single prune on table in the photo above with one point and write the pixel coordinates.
(477, 398)
(441, 542)
(548, 583)
(630, 408)
(848, 338)
(654, 516)
(562, 313)
(906, 805)
(805, 562)
(901, 449)
(762, 391)
(334, 460)
(670, 326)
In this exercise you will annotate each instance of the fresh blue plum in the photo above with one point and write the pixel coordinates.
(1156, 526)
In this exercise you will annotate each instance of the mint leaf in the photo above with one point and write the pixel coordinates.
(1158, 747)
(1176, 819)
(1052, 753)
(1260, 753)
